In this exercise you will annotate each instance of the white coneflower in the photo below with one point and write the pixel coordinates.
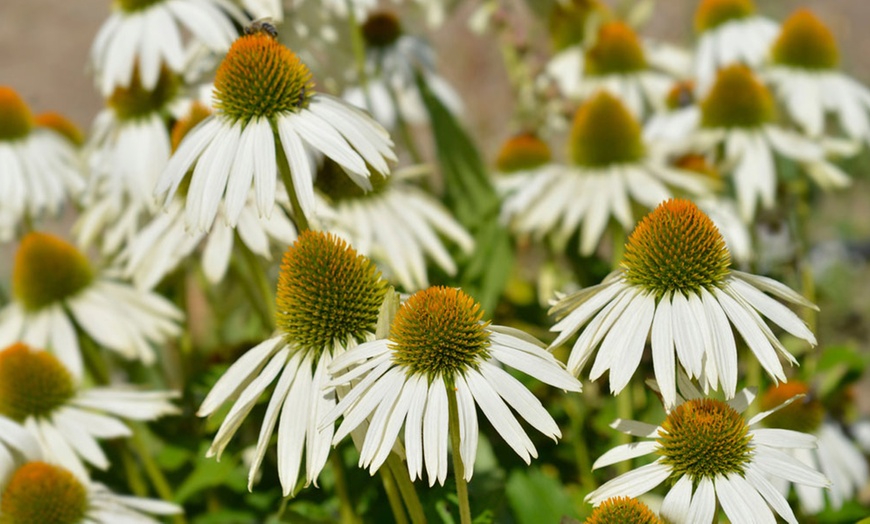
(161, 245)
(55, 290)
(440, 363)
(609, 169)
(127, 151)
(33, 490)
(712, 457)
(67, 418)
(803, 71)
(268, 118)
(328, 300)
(393, 61)
(616, 62)
(836, 456)
(147, 34)
(622, 510)
(396, 224)
(40, 167)
(738, 115)
(729, 31)
(675, 287)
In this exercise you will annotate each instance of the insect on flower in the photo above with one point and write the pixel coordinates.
(262, 25)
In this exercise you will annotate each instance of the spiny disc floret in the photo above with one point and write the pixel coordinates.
(704, 438)
(48, 270)
(676, 249)
(43, 493)
(622, 510)
(439, 332)
(327, 293)
(260, 77)
(32, 383)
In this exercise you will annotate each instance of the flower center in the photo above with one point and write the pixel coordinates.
(616, 51)
(804, 414)
(622, 510)
(737, 99)
(570, 22)
(47, 270)
(259, 77)
(438, 331)
(61, 124)
(196, 114)
(698, 164)
(15, 117)
(134, 101)
(333, 182)
(676, 248)
(327, 293)
(604, 133)
(381, 29)
(704, 438)
(713, 13)
(681, 94)
(521, 152)
(43, 493)
(32, 383)
(806, 43)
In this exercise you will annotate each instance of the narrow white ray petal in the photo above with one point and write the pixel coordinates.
(292, 429)
(597, 329)
(542, 366)
(635, 324)
(238, 375)
(359, 354)
(323, 137)
(764, 414)
(776, 312)
(633, 484)
(688, 338)
(775, 288)
(265, 164)
(385, 425)
(755, 338)
(773, 497)
(780, 464)
(723, 346)
(635, 428)
(363, 399)
(784, 438)
(301, 170)
(662, 342)
(414, 426)
(675, 506)
(625, 452)
(742, 399)
(741, 502)
(520, 399)
(436, 422)
(468, 428)
(500, 416)
(703, 506)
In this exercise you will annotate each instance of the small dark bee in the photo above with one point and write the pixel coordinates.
(262, 25)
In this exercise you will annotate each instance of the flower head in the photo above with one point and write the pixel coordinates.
(381, 29)
(605, 133)
(622, 510)
(805, 43)
(675, 286)
(737, 99)
(438, 347)
(48, 270)
(617, 50)
(711, 14)
(522, 152)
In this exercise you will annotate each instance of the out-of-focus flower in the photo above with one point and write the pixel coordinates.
(711, 457)
(40, 166)
(676, 288)
(260, 127)
(328, 301)
(440, 363)
(56, 290)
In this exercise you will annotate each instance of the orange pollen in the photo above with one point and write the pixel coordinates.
(61, 124)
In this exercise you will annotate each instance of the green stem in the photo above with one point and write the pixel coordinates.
(358, 45)
(393, 496)
(618, 237)
(458, 467)
(260, 279)
(248, 286)
(581, 450)
(348, 516)
(155, 475)
(284, 168)
(94, 360)
(406, 488)
(135, 481)
(625, 411)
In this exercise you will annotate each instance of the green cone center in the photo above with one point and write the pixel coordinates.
(806, 43)
(260, 77)
(327, 293)
(616, 51)
(737, 100)
(605, 133)
(32, 383)
(704, 438)
(714, 13)
(16, 121)
(676, 249)
(42, 493)
(438, 332)
(48, 270)
(522, 152)
(135, 102)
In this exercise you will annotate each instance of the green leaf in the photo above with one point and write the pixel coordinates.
(209, 473)
(535, 497)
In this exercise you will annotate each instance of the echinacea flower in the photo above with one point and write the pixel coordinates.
(268, 119)
(34, 490)
(804, 74)
(729, 32)
(622, 510)
(163, 243)
(396, 224)
(616, 62)
(712, 457)
(609, 169)
(68, 418)
(55, 290)
(147, 34)
(40, 167)
(393, 61)
(127, 151)
(836, 456)
(441, 354)
(675, 287)
(328, 300)
(738, 116)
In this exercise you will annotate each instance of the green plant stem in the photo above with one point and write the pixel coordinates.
(358, 45)
(299, 217)
(152, 470)
(617, 234)
(581, 449)
(406, 488)
(458, 467)
(135, 481)
(249, 287)
(348, 515)
(625, 411)
(94, 360)
(260, 279)
(393, 496)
